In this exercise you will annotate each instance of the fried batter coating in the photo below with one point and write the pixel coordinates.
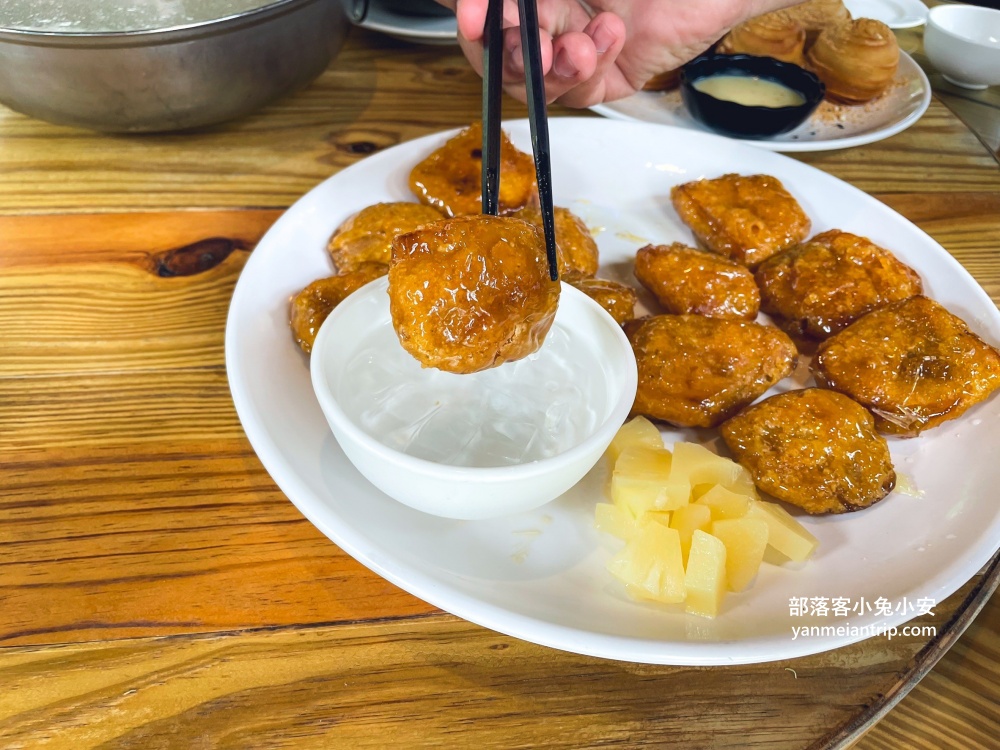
(815, 449)
(618, 299)
(576, 250)
(685, 280)
(367, 235)
(822, 286)
(450, 179)
(747, 218)
(697, 372)
(912, 363)
(471, 293)
(312, 305)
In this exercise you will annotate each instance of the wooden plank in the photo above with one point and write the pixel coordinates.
(423, 682)
(378, 93)
(113, 538)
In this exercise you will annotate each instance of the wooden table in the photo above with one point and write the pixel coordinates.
(158, 590)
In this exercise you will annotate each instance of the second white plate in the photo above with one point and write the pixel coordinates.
(832, 126)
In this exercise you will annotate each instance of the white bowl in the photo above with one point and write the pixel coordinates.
(585, 372)
(963, 42)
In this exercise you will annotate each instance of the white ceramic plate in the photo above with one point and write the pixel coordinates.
(421, 29)
(896, 14)
(540, 575)
(831, 126)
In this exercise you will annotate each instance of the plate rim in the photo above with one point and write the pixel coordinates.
(796, 147)
(492, 616)
(920, 16)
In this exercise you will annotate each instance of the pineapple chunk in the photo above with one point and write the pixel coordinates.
(724, 504)
(785, 534)
(745, 540)
(639, 431)
(705, 579)
(615, 520)
(638, 479)
(688, 518)
(695, 465)
(650, 565)
(660, 516)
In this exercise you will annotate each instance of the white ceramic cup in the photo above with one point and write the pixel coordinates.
(963, 42)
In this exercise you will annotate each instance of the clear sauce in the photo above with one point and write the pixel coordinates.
(96, 16)
(520, 412)
(749, 91)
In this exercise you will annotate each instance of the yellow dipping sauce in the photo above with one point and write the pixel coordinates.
(749, 91)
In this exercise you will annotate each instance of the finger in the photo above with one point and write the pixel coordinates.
(471, 16)
(574, 62)
(514, 55)
(607, 32)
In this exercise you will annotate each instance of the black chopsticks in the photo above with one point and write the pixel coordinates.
(537, 116)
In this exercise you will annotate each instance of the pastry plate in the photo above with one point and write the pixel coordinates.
(428, 29)
(540, 575)
(896, 14)
(831, 126)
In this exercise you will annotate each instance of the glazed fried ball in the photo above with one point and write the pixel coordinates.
(815, 449)
(450, 179)
(367, 235)
(471, 293)
(312, 305)
(912, 363)
(685, 280)
(822, 286)
(745, 218)
(698, 372)
(618, 299)
(576, 250)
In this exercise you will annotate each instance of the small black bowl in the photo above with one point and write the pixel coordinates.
(742, 121)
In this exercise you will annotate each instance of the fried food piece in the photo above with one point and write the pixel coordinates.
(576, 250)
(912, 363)
(745, 218)
(685, 280)
(450, 179)
(856, 60)
(618, 299)
(698, 372)
(367, 235)
(665, 81)
(312, 305)
(471, 293)
(815, 449)
(822, 286)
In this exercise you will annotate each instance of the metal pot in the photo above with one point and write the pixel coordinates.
(176, 78)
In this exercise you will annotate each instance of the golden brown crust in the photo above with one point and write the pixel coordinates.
(618, 299)
(856, 60)
(913, 364)
(665, 81)
(697, 372)
(311, 306)
(747, 218)
(815, 449)
(367, 235)
(450, 179)
(776, 35)
(821, 286)
(471, 293)
(816, 15)
(685, 280)
(576, 250)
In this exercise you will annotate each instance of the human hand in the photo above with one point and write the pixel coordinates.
(602, 50)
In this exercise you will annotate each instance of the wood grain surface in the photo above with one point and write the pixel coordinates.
(158, 590)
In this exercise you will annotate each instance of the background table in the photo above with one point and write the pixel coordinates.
(157, 589)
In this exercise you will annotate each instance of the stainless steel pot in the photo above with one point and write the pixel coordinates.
(172, 79)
